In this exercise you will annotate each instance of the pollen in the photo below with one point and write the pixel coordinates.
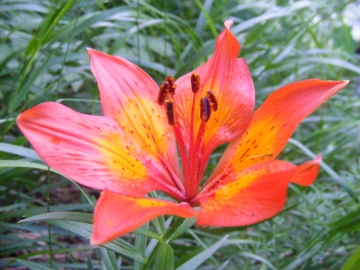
(170, 112)
(171, 81)
(208, 104)
(213, 102)
(166, 93)
(164, 89)
(195, 83)
(205, 109)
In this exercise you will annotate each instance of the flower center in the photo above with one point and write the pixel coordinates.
(190, 155)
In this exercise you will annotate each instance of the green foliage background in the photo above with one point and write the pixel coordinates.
(43, 58)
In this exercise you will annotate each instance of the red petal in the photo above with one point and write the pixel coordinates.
(116, 215)
(258, 193)
(129, 96)
(91, 150)
(274, 123)
(230, 80)
(306, 173)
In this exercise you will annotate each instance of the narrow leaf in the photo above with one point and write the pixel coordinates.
(197, 260)
(165, 257)
(72, 216)
(34, 266)
(178, 228)
(353, 263)
(118, 246)
(108, 258)
(19, 150)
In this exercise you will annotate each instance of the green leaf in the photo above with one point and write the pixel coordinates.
(25, 164)
(147, 233)
(348, 223)
(141, 243)
(34, 266)
(33, 48)
(77, 217)
(89, 263)
(164, 257)
(208, 17)
(118, 245)
(108, 258)
(19, 150)
(178, 228)
(264, 17)
(27, 7)
(197, 260)
(331, 61)
(195, 59)
(33, 165)
(258, 258)
(72, 216)
(83, 23)
(353, 263)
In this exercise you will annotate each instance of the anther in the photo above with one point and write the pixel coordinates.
(164, 88)
(195, 82)
(205, 109)
(212, 99)
(172, 86)
(170, 111)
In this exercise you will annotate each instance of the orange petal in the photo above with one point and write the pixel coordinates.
(274, 123)
(306, 173)
(230, 81)
(256, 194)
(91, 150)
(116, 215)
(129, 96)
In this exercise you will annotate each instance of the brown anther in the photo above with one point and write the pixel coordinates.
(172, 86)
(213, 101)
(164, 89)
(170, 111)
(195, 82)
(205, 109)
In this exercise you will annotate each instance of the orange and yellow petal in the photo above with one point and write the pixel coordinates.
(307, 172)
(255, 194)
(116, 215)
(274, 123)
(229, 78)
(91, 150)
(129, 96)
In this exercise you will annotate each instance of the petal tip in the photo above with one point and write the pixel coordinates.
(228, 24)
(29, 114)
(89, 51)
(95, 242)
(318, 159)
(345, 82)
(19, 117)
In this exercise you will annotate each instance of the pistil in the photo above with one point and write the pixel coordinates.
(191, 160)
(207, 105)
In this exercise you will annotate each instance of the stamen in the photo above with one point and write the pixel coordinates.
(172, 86)
(195, 82)
(170, 111)
(164, 87)
(213, 101)
(205, 109)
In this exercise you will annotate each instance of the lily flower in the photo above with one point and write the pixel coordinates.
(161, 138)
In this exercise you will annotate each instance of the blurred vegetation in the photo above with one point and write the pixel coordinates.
(43, 58)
